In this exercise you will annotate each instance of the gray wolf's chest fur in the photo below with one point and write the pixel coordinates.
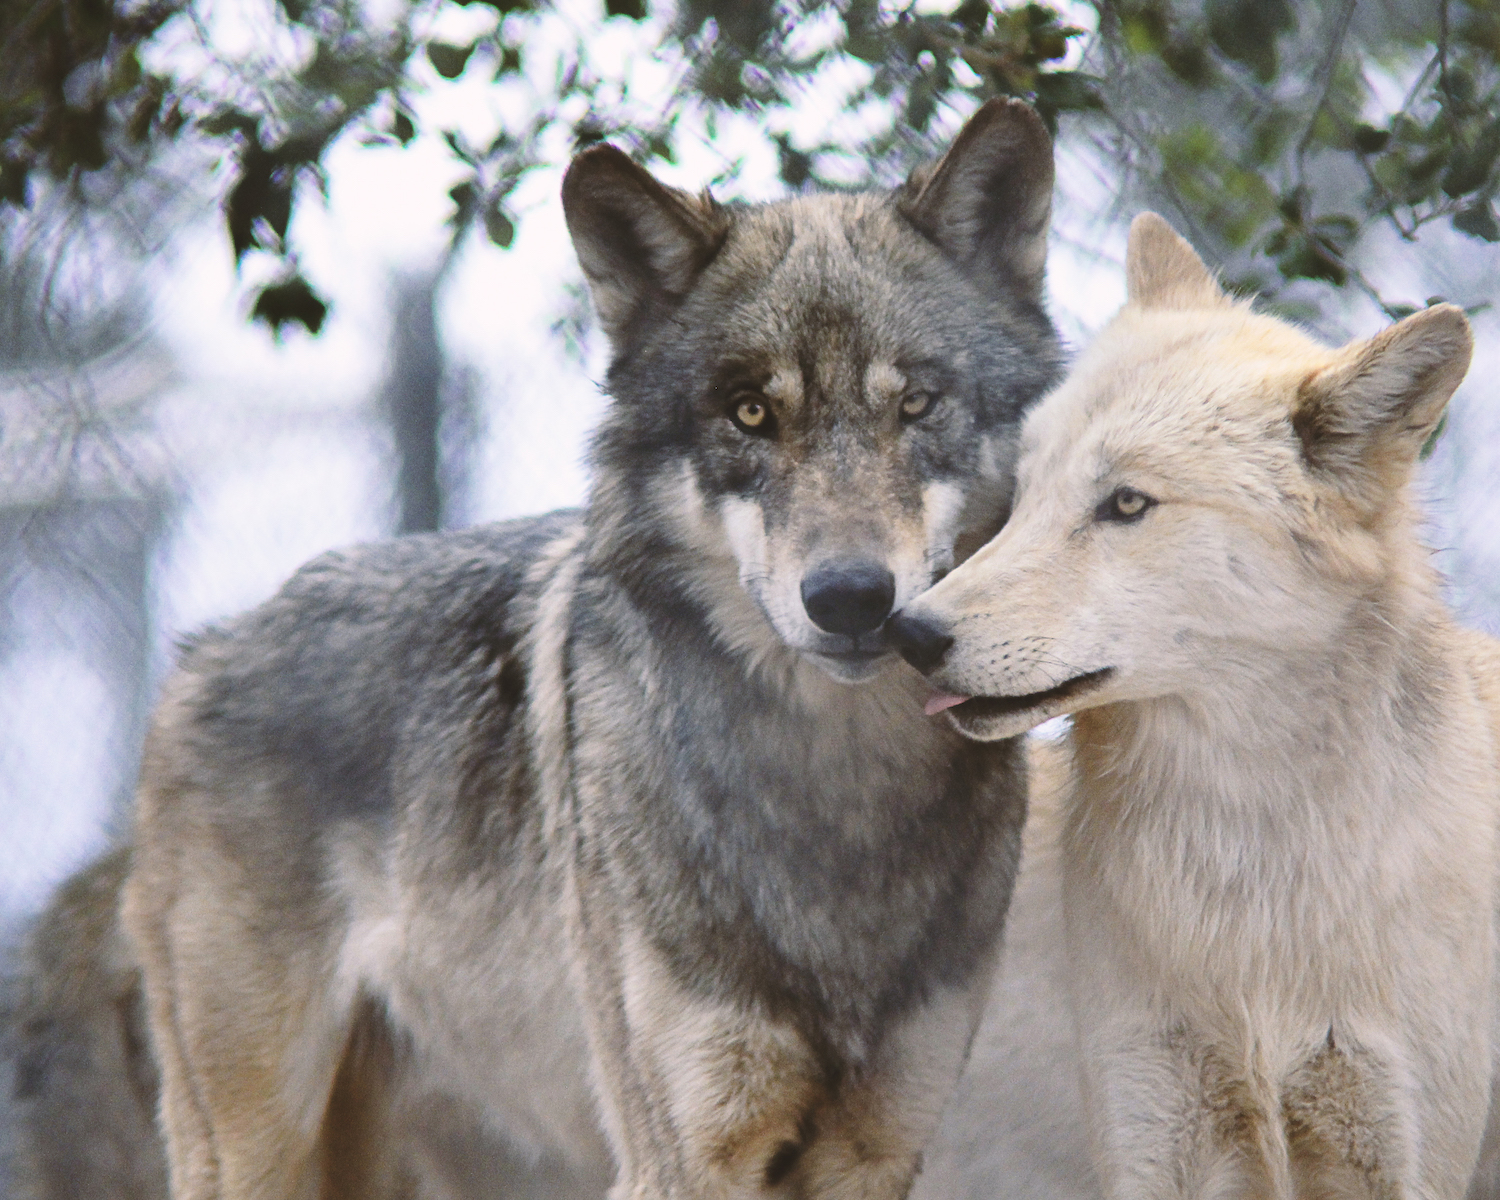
(820, 847)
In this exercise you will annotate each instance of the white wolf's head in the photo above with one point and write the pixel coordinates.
(1209, 496)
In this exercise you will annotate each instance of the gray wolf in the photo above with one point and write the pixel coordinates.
(628, 819)
(1278, 850)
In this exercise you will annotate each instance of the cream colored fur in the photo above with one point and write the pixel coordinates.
(1278, 854)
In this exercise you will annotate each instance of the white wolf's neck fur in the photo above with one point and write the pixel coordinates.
(1266, 795)
(1296, 863)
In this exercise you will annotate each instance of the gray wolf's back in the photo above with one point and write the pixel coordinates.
(328, 678)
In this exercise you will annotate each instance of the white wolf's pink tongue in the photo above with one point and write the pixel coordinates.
(941, 700)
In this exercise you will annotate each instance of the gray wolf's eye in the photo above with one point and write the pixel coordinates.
(751, 414)
(1123, 506)
(916, 405)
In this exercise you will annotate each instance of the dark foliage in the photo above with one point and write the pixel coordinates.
(1250, 118)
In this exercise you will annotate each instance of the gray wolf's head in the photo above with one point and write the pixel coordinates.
(815, 401)
(1211, 500)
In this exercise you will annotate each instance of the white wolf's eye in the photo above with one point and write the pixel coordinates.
(915, 405)
(1123, 504)
(751, 414)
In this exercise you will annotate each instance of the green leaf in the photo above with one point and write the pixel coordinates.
(262, 193)
(290, 302)
(1369, 140)
(78, 140)
(498, 227)
(1470, 167)
(1068, 91)
(402, 127)
(634, 9)
(1232, 200)
(175, 119)
(1271, 135)
(658, 144)
(972, 16)
(1313, 252)
(869, 46)
(463, 196)
(793, 165)
(1189, 60)
(1144, 28)
(1458, 85)
(449, 61)
(127, 73)
(1246, 30)
(1482, 31)
(13, 173)
(1478, 221)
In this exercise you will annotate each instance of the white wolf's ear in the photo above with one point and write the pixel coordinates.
(987, 202)
(1372, 409)
(636, 239)
(1163, 271)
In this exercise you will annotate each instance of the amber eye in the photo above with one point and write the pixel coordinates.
(1124, 504)
(915, 405)
(752, 414)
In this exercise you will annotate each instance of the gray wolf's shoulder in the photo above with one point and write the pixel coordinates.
(426, 580)
(325, 681)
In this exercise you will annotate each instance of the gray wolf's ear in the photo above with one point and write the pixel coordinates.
(987, 201)
(1163, 271)
(636, 238)
(1368, 413)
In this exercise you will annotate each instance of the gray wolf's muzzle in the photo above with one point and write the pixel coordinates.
(923, 643)
(849, 597)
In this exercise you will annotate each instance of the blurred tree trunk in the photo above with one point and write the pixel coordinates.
(413, 401)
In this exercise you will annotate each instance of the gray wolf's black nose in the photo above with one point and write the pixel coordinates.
(921, 643)
(848, 597)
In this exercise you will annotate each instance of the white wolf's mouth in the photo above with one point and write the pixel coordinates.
(986, 718)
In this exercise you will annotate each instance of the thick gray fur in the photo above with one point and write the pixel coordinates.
(462, 796)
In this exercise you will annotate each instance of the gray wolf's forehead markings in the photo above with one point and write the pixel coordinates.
(801, 282)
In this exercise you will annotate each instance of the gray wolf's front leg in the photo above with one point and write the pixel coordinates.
(711, 1098)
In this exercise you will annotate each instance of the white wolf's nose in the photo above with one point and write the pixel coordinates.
(922, 642)
(848, 597)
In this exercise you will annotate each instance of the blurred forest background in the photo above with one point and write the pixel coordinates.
(279, 275)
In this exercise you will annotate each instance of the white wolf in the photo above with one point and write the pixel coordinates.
(1278, 848)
